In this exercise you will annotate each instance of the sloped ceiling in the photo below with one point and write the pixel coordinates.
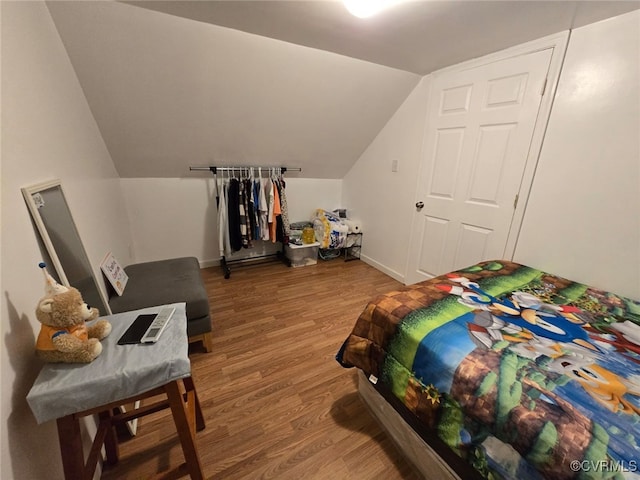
(418, 36)
(174, 84)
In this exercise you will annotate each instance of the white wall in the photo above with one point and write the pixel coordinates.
(582, 220)
(174, 217)
(583, 215)
(47, 132)
(384, 200)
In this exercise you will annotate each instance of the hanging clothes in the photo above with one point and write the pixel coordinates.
(244, 216)
(256, 208)
(285, 228)
(233, 207)
(276, 213)
(251, 209)
(223, 220)
(266, 208)
(251, 218)
(286, 224)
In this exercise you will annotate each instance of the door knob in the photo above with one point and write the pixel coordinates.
(419, 205)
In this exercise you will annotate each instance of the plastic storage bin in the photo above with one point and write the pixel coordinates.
(302, 255)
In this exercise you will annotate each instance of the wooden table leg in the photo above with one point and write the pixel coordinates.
(185, 432)
(71, 447)
(111, 447)
(191, 389)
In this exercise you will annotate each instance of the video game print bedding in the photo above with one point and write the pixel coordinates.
(522, 373)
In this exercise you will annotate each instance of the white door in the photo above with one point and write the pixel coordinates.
(479, 131)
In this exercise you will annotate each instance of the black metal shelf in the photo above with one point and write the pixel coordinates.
(352, 250)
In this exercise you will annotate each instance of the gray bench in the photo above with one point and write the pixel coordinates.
(168, 281)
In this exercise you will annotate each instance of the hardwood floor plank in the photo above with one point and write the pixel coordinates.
(276, 403)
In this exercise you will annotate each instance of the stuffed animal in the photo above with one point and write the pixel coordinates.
(64, 335)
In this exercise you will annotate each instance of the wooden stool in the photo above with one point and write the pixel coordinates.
(181, 397)
(121, 375)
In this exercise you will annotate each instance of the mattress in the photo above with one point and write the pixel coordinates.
(519, 372)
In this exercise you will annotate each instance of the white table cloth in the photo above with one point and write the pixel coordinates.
(120, 372)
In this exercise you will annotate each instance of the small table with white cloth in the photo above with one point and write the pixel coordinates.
(121, 375)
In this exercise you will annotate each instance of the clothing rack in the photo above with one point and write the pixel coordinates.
(279, 255)
(214, 169)
(226, 270)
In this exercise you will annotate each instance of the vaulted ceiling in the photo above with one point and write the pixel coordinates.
(174, 84)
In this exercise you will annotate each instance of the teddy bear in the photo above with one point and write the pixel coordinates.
(64, 335)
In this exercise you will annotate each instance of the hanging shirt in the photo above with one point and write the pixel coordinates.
(256, 210)
(270, 199)
(244, 216)
(233, 207)
(276, 213)
(266, 203)
(286, 225)
(249, 205)
(223, 222)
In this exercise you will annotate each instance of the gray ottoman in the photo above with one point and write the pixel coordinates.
(168, 281)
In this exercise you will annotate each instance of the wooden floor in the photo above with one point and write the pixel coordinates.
(276, 403)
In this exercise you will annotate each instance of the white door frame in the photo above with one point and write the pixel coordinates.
(558, 43)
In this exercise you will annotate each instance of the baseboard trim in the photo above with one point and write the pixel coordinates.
(209, 263)
(368, 260)
(377, 265)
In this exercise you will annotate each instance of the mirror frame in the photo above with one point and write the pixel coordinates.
(28, 193)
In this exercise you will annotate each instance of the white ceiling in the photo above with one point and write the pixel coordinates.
(174, 84)
(418, 36)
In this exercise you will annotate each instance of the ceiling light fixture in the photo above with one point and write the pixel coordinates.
(367, 8)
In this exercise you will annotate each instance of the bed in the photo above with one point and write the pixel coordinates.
(507, 372)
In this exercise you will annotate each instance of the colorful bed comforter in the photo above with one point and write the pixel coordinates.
(522, 373)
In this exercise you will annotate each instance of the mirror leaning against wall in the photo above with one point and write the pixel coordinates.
(50, 212)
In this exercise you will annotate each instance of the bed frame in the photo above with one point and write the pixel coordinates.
(420, 446)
